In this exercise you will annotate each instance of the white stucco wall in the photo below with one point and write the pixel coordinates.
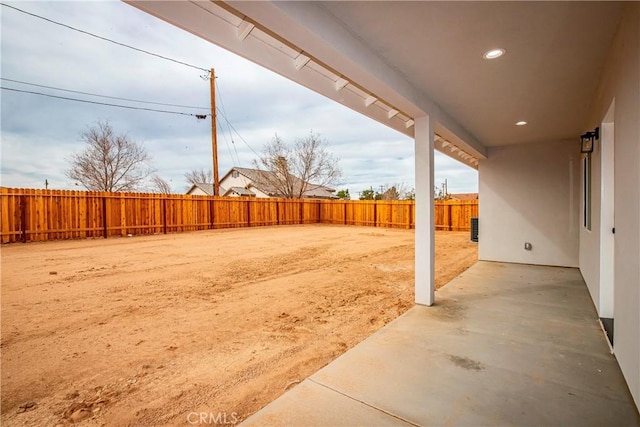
(530, 194)
(621, 83)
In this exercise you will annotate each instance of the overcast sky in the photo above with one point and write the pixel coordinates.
(39, 134)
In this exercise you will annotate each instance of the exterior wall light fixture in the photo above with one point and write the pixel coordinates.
(588, 139)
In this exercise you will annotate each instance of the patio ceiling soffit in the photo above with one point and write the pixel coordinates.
(239, 34)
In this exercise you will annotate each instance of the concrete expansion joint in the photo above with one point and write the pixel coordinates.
(404, 420)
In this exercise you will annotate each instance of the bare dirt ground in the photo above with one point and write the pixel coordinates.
(146, 330)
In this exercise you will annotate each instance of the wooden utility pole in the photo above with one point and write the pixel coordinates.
(214, 133)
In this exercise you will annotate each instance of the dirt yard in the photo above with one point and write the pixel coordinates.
(146, 330)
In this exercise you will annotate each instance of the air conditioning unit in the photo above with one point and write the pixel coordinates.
(474, 230)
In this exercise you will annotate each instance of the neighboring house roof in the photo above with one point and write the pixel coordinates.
(463, 196)
(207, 188)
(260, 180)
(240, 191)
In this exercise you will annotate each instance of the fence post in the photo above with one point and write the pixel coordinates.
(248, 213)
(278, 212)
(164, 214)
(301, 205)
(123, 216)
(213, 214)
(345, 212)
(105, 230)
(450, 218)
(23, 218)
(375, 213)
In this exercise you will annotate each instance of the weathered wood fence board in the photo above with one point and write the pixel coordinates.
(455, 215)
(39, 215)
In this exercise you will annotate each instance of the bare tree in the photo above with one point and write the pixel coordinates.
(199, 176)
(109, 162)
(397, 192)
(160, 185)
(410, 194)
(391, 193)
(292, 171)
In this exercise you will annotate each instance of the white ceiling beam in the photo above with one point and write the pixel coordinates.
(301, 61)
(341, 83)
(244, 29)
(370, 101)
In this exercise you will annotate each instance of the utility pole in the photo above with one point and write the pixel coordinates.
(214, 133)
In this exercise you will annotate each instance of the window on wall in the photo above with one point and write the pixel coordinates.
(586, 195)
(235, 174)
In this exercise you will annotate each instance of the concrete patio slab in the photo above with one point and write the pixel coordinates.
(505, 344)
(318, 405)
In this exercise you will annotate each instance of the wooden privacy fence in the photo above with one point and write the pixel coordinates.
(38, 215)
(455, 215)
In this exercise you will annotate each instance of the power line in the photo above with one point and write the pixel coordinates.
(106, 39)
(226, 140)
(236, 131)
(224, 112)
(236, 151)
(199, 116)
(224, 135)
(219, 92)
(107, 104)
(102, 96)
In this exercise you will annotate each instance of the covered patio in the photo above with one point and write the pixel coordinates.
(505, 344)
(512, 89)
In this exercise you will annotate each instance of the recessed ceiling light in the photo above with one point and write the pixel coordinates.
(494, 53)
(521, 123)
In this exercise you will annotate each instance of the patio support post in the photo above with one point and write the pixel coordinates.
(424, 231)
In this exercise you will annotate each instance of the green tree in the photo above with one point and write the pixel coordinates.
(370, 195)
(367, 195)
(344, 194)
